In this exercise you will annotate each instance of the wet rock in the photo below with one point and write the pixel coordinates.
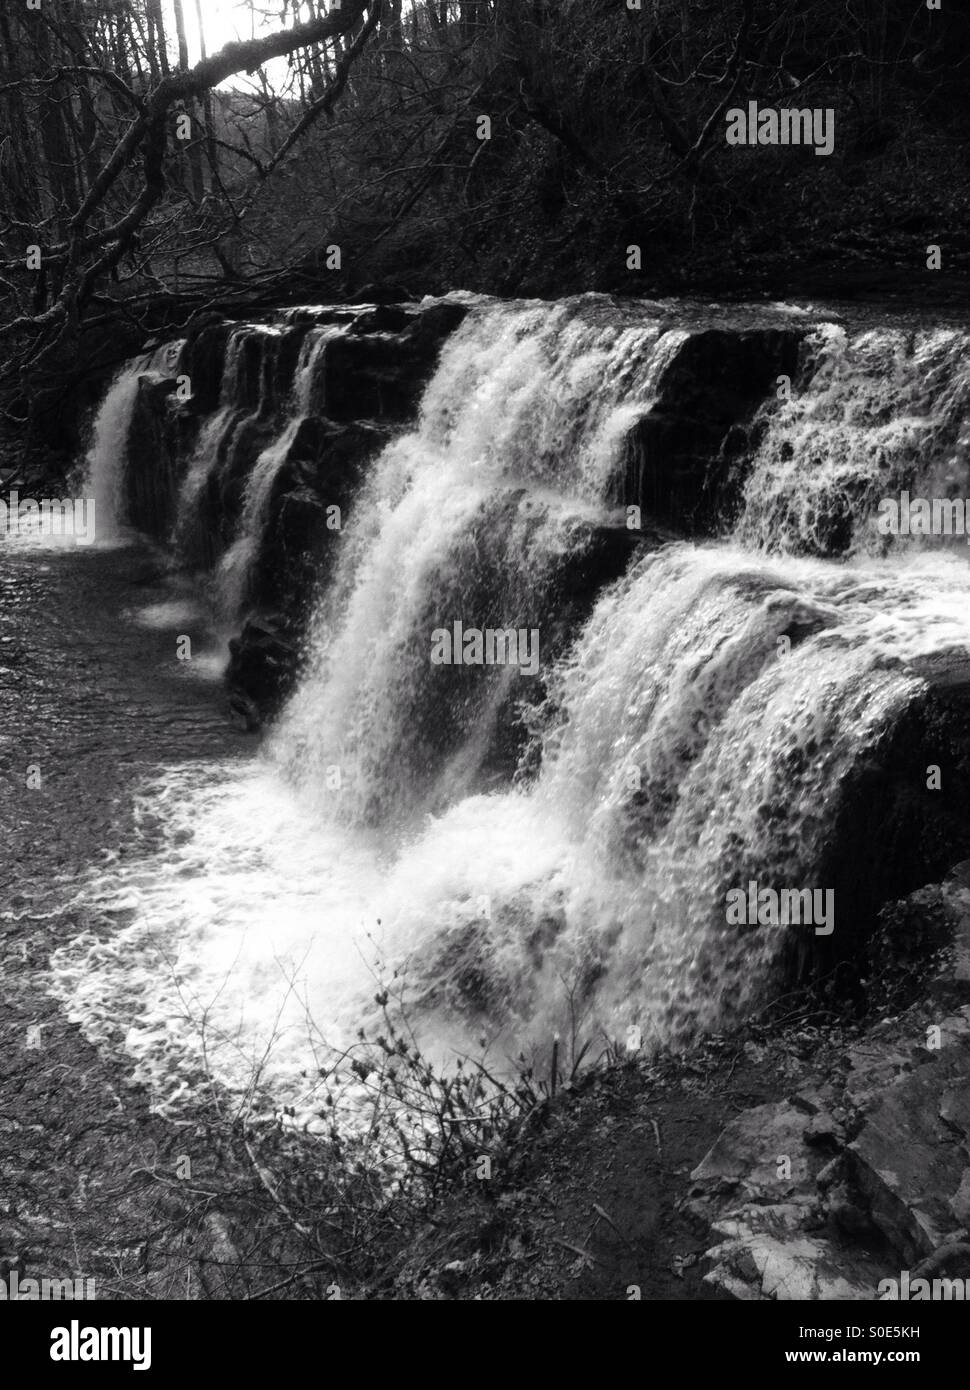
(847, 1215)
(873, 1066)
(955, 898)
(384, 319)
(203, 361)
(824, 1130)
(387, 293)
(955, 1110)
(813, 1100)
(244, 712)
(765, 1259)
(314, 314)
(955, 1029)
(906, 1161)
(381, 376)
(830, 1174)
(889, 835)
(311, 500)
(761, 1154)
(263, 665)
(890, 1198)
(686, 457)
(762, 1187)
(159, 438)
(960, 1201)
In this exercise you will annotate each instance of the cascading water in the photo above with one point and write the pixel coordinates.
(693, 725)
(880, 411)
(460, 518)
(235, 565)
(210, 438)
(108, 451)
(219, 433)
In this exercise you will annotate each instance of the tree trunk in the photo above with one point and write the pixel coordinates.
(158, 49)
(208, 113)
(195, 148)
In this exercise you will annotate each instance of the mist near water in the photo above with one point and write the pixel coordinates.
(692, 732)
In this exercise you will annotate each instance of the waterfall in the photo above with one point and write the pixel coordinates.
(705, 713)
(879, 411)
(238, 404)
(235, 565)
(475, 512)
(109, 445)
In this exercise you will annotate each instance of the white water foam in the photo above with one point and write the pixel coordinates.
(684, 747)
(506, 903)
(879, 411)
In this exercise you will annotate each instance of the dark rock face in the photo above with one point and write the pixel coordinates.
(385, 318)
(874, 1192)
(160, 438)
(892, 833)
(910, 1156)
(368, 381)
(381, 375)
(371, 380)
(263, 665)
(381, 294)
(686, 456)
(313, 315)
(311, 497)
(204, 360)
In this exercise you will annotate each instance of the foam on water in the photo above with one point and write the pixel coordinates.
(267, 923)
(695, 732)
(878, 412)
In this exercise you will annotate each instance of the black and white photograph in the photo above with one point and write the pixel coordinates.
(484, 668)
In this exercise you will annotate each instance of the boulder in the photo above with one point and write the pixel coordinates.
(895, 1195)
(263, 664)
(762, 1188)
(908, 1162)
